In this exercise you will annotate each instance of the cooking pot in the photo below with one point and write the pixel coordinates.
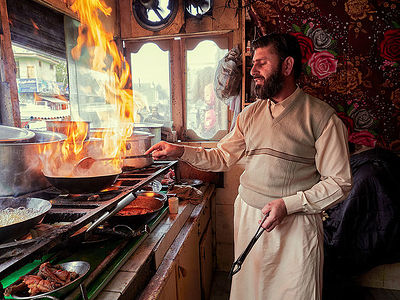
(19, 229)
(153, 128)
(21, 168)
(64, 126)
(136, 144)
(82, 185)
(150, 200)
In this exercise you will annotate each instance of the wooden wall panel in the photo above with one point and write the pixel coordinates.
(222, 19)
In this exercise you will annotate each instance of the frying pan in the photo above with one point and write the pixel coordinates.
(82, 185)
(17, 230)
(154, 201)
(80, 267)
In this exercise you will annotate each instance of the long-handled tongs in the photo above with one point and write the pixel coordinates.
(237, 265)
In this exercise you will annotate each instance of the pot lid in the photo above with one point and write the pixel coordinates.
(10, 134)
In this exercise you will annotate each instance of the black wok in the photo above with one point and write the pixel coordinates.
(151, 200)
(82, 185)
(19, 229)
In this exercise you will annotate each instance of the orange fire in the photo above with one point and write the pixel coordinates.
(101, 47)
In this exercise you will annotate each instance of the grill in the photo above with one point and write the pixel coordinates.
(76, 211)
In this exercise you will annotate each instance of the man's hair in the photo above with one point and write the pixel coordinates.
(285, 45)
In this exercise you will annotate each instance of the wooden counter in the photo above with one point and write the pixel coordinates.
(174, 262)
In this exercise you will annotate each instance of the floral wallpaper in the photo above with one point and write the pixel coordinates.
(351, 57)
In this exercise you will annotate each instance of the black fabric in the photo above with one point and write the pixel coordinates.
(363, 231)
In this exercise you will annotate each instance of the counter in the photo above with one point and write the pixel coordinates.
(169, 258)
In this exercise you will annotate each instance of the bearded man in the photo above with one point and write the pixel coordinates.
(297, 165)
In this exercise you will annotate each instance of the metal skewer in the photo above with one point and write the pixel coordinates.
(237, 265)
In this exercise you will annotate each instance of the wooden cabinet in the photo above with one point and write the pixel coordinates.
(187, 268)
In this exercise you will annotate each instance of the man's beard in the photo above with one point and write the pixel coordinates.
(271, 86)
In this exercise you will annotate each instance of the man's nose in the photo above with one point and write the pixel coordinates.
(252, 70)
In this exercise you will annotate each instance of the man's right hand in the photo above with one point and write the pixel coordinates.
(164, 150)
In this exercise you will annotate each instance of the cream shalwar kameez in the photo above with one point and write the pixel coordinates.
(286, 263)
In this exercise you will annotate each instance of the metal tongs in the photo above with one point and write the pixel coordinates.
(237, 265)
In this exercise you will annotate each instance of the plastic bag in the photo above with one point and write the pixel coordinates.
(228, 76)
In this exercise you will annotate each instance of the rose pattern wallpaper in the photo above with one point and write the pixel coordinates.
(351, 57)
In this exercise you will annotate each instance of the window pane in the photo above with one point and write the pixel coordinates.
(151, 81)
(42, 87)
(205, 114)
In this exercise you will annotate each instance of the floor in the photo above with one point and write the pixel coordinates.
(221, 287)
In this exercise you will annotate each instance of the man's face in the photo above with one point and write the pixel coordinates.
(267, 72)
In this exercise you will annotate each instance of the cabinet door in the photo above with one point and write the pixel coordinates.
(169, 291)
(188, 270)
(206, 262)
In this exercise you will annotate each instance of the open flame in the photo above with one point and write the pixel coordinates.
(112, 143)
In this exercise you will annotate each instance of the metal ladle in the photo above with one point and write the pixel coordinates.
(87, 162)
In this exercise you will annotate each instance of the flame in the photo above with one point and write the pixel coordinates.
(101, 47)
(34, 25)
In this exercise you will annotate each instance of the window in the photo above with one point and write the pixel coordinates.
(151, 82)
(205, 114)
(30, 72)
(42, 95)
(175, 78)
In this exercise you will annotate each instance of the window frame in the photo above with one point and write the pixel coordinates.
(177, 46)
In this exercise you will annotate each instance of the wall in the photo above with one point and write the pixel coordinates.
(350, 57)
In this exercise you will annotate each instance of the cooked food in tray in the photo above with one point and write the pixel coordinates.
(47, 279)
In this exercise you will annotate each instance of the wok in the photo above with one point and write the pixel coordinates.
(80, 267)
(17, 230)
(84, 184)
(154, 201)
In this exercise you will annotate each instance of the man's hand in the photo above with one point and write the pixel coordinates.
(277, 212)
(164, 150)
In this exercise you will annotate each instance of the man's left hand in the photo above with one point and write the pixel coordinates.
(277, 212)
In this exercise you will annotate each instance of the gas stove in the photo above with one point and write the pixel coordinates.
(73, 212)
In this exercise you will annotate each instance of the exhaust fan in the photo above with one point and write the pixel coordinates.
(198, 8)
(154, 15)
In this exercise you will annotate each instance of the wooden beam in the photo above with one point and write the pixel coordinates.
(10, 105)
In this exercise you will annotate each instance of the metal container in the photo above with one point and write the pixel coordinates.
(21, 168)
(137, 144)
(64, 126)
(152, 128)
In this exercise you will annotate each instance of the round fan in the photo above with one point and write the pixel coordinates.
(198, 8)
(154, 15)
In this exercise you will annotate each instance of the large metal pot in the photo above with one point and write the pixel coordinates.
(137, 144)
(153, 128)
(21, 168)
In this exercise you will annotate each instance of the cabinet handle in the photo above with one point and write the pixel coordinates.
(181, 272)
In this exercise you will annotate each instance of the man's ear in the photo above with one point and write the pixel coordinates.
(287, 65)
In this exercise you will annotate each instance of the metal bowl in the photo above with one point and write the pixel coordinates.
(80, 267)
(17, 230)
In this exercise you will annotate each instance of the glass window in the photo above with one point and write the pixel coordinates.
(43, 94)
(151, 84)
(206, 116)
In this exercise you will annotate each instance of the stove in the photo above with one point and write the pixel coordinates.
(73, 212)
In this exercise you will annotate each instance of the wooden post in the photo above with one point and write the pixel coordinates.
(10, 114)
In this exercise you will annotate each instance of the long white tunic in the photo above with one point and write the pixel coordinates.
(285, 263)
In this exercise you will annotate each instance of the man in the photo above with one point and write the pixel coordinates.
(297, 165)
(155, 116)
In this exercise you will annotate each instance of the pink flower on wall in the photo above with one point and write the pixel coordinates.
(390, 45)
(363, 138)
(322, 64)
(306, 46)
